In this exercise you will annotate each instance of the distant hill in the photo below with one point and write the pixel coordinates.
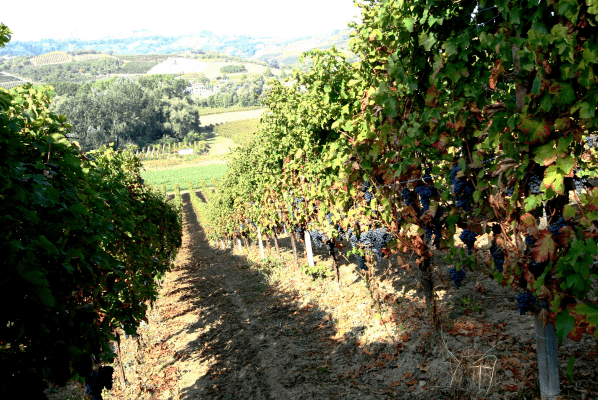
(285, 51)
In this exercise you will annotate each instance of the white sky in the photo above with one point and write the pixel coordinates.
(57, 19)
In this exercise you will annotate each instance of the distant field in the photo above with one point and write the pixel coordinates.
(210, 68)
(241, 132)
(54, 57)
(169, 177)
(222, 110)
(214, 119)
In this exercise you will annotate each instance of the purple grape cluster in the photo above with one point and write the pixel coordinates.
(361, 262)
(98, 380)
(425, 193)
(299, 230)
(317, 237)
(457, 276)
(534, 184)
(367, 195)
(408, 196)
(556, 227)
(580, 184)
(329, 217)
(374, 240)
(468, 237)
(463, 189)
(497, 255)
(524, 302)
(509, 191)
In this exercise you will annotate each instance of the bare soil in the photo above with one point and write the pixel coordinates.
(228, 327)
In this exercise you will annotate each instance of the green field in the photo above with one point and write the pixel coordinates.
(169, 177)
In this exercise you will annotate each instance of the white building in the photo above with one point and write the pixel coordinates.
(201, 90)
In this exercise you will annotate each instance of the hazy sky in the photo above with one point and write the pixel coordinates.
(37, 19)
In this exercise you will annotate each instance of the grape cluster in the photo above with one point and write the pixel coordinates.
(353, 239)
(534, 184)
(408, 196)
(498, 256)
(299, 230)
(579, 184)
(463, 189)
(468, 237)
(98, 380)
(317, 237)
(457, 276)
(329, 217)
(591, 141)
(556, 227)
(509, 191)
(365, 188)
(361, 262)
(524, 302)
(374, 240)
(425, 192)
(428, 175)
(242, 227)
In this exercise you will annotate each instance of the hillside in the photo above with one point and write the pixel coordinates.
(286, 51)
(211, 70)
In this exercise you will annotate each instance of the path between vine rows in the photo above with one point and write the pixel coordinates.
(220, 330)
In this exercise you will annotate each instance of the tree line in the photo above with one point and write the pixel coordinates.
(127, 112)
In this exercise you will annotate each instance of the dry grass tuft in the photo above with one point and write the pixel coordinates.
(470, 372)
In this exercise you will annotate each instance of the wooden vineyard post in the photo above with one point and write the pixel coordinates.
(276, 244)
(240, 246)
(259, 239)
(548, 366)
(310, 256)
(284, 226)
(294, 244)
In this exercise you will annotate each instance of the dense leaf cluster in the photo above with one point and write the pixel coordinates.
(84, 242)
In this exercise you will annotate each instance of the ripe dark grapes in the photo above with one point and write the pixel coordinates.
(425, 192)
(509, 191)
(498, 256)
(534, 184)
(457, 276)
(365, 186)
(556, 227)
(524, 301)
(463, 189)
(468, 238)
(408, 196)
(368, 196)
(329, 217)
(318, 238)
(580, 184)
(361, 262)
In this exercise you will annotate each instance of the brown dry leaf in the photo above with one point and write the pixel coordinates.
(479, 287)
(405, 337)
(424, 367)
(411, 382)
(395, 383)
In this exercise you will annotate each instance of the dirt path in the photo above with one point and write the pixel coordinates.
(214, 119)
(227, 328)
